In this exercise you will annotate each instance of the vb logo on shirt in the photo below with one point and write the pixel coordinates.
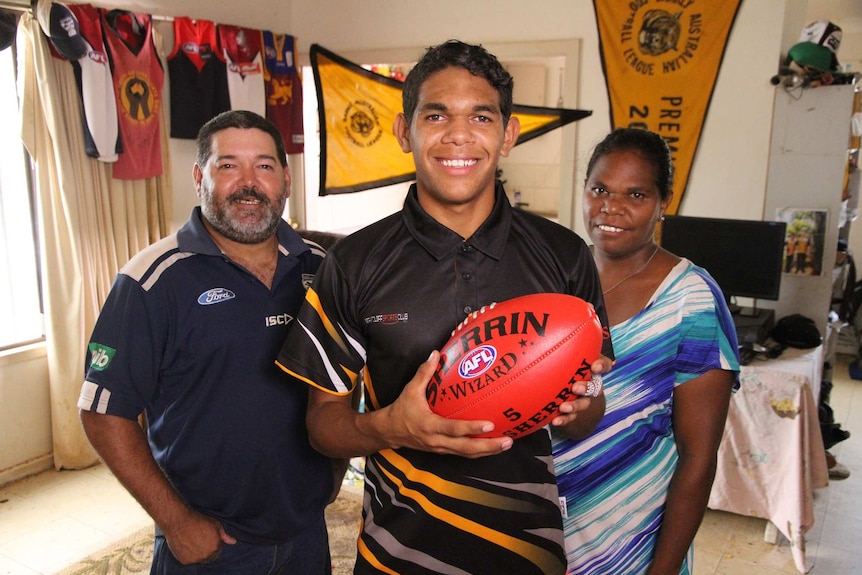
(100, 356)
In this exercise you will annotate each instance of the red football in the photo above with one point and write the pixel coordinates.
(514, 362)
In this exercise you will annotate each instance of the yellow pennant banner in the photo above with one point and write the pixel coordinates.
(357, 109)
(661, 59)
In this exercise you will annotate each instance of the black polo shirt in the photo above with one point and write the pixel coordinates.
(384, 298)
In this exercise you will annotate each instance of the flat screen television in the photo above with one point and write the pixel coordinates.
(744, 257)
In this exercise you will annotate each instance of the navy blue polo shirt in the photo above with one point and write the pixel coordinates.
(384, 298)
(188, 337)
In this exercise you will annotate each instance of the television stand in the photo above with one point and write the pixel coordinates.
(750, 311)
(753, 325)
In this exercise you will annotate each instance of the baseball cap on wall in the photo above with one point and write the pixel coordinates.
(811, 55)
(8, 25)
(826, 34)
(61, 27)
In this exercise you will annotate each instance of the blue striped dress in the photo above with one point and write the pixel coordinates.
(613, 484)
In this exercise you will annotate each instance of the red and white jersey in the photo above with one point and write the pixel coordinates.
(244, 57)
(95, 87)
(138, 81)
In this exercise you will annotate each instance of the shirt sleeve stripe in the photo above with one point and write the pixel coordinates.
(335, 374)
(94, 398)
(314, 301)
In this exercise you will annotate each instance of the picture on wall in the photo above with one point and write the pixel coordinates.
(804, 240)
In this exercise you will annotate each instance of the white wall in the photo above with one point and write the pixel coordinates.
(25, 413)
(730, 165)
(809, 155)
(727, 166)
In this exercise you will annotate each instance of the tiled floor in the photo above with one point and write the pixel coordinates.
(56, 518)
(53, 519)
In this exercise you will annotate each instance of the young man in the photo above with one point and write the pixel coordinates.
(438, 500)
(187, 336)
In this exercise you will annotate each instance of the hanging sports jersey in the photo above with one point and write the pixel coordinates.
(95, 85)
(198, 77)
(244, 57)
(85, 49)
(283, 89)
(138, 78)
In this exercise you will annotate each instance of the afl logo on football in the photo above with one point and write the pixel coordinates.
(477, 361)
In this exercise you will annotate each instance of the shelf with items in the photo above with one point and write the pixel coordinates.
(807, 167)
(845, 322)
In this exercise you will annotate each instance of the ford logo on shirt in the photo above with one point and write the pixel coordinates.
(215, 295)
(477, 361)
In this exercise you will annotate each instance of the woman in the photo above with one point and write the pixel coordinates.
(635, 491)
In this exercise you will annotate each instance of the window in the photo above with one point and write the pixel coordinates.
(20, 300)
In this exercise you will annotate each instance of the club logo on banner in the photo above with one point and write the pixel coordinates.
(661, 59)
(357, 109)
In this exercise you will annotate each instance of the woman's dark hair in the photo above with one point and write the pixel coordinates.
(457, 54)
(649, 145)
(237, 119)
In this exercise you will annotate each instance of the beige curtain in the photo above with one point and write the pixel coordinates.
(89, 226)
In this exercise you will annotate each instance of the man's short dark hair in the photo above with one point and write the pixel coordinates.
(237, 119)
(456, 54)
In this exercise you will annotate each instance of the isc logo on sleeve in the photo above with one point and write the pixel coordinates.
(100, 356)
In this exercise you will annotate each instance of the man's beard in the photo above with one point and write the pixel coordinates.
(230, 219)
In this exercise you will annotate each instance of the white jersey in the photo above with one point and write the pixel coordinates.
(242, 52)
(96, 88)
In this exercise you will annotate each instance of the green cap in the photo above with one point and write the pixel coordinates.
(811, 55)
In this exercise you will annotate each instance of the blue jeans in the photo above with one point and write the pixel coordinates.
(305, 554)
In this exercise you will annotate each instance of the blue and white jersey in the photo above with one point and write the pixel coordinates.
(189, 337)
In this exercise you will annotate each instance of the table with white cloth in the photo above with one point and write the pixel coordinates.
(771, 456)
